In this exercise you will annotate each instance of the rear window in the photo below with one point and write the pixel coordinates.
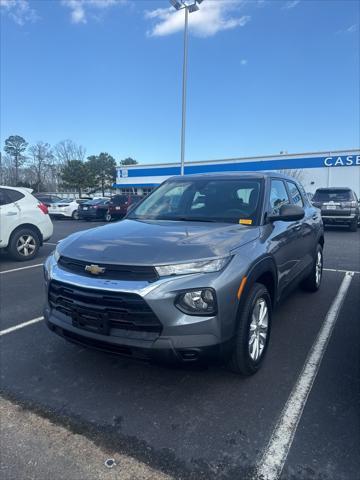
(14, 195)
(119, 199)
(332, 196)
(4, 198)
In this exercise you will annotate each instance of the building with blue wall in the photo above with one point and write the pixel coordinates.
(320, 169)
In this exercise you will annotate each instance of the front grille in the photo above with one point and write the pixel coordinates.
(86, 306)
(335, 212)
(113, 272)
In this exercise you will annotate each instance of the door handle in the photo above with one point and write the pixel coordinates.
(9, 214)
(314, 217)
(297, 227)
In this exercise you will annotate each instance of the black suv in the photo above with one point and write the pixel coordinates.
(339, 206)
(194, 271)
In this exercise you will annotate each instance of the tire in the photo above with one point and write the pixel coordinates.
(243, 358)
(108, 217)
(313, 281)
(75, 215)
(353, 225)
(24, 244)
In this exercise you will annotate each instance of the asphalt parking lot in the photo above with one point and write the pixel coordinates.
(184, 423)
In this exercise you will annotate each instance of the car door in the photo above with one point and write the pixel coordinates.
(308, 226)
(285, 238)
(9, 216)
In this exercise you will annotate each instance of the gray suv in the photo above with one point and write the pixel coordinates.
(339, 206)
(193, 272)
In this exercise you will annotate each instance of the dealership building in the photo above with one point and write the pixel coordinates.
(339, 168)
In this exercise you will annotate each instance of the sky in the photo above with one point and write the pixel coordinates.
(263, 76)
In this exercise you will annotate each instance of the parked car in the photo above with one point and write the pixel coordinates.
(119, 205)
(24, 223)
(47, 198)
(66, 208)
(339, 206)
(186, 280)
(95, 209)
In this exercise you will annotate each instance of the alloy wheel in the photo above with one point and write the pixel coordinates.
(258, 329)
(26, 245)
(318, 268)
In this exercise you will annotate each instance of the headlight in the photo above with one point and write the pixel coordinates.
(197, 302)
(56, 254)
(204, 266)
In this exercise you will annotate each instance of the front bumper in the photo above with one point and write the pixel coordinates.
(183, 338)
(163, 349)
(338, 219)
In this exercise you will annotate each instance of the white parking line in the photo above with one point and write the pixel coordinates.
(341, 271)
(21, 325)
(21, 268)
(272, 462)
(49, 243)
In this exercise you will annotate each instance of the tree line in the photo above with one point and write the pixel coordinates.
(63, 166)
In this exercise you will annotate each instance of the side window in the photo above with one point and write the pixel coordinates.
(295, 194)
(14, 195)
(198, 201)
(4, 197)
(278, 195)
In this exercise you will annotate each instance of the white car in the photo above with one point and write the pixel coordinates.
(24, 223)
(65, 208)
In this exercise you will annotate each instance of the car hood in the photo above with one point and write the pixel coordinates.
(135, 242)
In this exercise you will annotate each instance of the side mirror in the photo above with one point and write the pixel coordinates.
(288, 213)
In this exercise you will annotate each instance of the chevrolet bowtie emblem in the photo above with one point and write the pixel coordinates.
(94, 269)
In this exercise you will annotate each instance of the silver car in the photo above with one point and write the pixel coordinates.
(193, 272)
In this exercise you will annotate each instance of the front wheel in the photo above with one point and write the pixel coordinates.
(253, 333)
(313, 281)
(108, 217)
(75, 215)
(24, 244)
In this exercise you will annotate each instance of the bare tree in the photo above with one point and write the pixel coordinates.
(40, 163)
(67, 150)
(7, 170)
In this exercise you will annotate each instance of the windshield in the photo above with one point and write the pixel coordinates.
(332, 195)
(229, 201)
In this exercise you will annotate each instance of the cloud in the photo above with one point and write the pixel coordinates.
(19, 11)
(79, 9)
(213, 17)
(352, 28)
(291, 4)
(243, 62)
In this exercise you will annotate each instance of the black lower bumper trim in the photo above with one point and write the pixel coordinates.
(207, 354)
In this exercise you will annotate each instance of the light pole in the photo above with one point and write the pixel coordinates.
(189, 6)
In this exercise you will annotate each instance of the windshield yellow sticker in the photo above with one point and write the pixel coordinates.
(245, 221)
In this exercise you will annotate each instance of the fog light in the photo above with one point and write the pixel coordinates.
(197, 302)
